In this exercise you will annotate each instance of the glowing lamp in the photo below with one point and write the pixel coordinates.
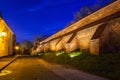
(17, 47)
(3, 33)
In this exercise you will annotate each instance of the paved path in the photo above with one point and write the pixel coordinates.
(69, 73)
(29, 68)
(6, 60)
(32, 68)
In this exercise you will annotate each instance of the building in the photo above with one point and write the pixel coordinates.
(6, 39)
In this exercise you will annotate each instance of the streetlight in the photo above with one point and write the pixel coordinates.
(17, 47)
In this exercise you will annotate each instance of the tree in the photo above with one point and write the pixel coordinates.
(82, 13)
(86, 10)
(25, 46)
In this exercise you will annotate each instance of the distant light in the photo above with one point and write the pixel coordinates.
(17, 47)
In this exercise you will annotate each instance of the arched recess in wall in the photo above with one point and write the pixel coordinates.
(100, 40)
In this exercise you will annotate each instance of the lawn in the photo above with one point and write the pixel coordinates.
(105, 65)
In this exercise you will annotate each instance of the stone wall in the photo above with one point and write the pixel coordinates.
(107, 41)
(62, 44)
(106, 11)
(40, 48)
(46, 47)
(6, 46)
(53, 44)
(73, 45)
(114, 43)
(100, 40)
(84, 38)
(104, 39)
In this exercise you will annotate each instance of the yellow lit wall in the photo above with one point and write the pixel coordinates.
(39, 48)
(6, 43)
(73, 45)
(85, 36)
(62, 44)
(53, 44)
(46, 47)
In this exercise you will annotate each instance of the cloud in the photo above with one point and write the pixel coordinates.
(49, 3)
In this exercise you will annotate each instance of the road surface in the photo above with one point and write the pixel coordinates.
(29, 68)
(33, 68)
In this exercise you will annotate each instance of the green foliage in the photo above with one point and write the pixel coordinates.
(74, 54)
(59, 53)
(105, 65)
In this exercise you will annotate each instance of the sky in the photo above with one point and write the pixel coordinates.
(30, 18)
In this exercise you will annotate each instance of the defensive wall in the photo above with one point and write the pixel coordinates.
(97, 33)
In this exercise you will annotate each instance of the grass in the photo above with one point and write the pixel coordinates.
(105, 65)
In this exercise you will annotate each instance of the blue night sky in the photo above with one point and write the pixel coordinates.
(28, 18)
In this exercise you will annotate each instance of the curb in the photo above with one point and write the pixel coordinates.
(8, 64)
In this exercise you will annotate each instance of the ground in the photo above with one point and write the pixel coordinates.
(33, 68)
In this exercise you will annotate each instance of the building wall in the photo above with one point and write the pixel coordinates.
(39, 48)
(11, 46)
(53, 44)
(114, 42)
(104, 40)
(88, 26)
(6, 47)
(73, 45)
(59, 45)
(84, 38)
(94, 46)
(46, 47)
(100, 40)
(62, 44)
(106, 11)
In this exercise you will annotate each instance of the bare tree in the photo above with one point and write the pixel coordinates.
(86, 10)
(25, 47)
(82, 13)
